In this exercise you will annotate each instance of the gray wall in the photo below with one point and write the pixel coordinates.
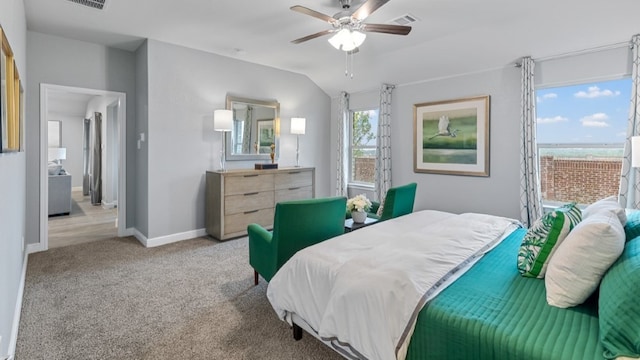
(185, 86)
(141, 154)
(12, 192)
(497, 194)
(61, 61)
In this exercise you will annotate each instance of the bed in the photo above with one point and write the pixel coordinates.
(476, 307)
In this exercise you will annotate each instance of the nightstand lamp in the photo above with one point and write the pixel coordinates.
(298, 128)
(223, 122)
(57, 154)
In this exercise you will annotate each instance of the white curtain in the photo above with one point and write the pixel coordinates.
(342, 159)
(383, 150)
(629, 194)
(530, 199)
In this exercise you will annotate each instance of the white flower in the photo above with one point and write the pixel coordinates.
(358, 203)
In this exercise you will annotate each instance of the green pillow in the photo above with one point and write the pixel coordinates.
(619, 308)
(632, 227)
(543, 238)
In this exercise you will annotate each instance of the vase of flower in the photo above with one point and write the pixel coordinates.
(359, 216)
(358, 206)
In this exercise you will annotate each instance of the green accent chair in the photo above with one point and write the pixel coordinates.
(296, 225)
(398, 201)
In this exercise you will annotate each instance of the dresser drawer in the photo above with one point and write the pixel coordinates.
(248, 183)
(299, 193)
(293, 179)
(249, 201)
(237, 223)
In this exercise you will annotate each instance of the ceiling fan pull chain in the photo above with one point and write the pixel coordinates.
(351, 57)
(346, 64)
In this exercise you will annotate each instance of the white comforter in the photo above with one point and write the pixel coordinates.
(362, 291)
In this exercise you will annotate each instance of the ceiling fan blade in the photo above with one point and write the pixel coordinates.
(387, 29)
(368, 8)
(312, 36)
(315, 14)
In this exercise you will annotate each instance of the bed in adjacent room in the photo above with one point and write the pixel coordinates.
(435, 285)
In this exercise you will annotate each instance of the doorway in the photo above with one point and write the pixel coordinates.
(81, 109)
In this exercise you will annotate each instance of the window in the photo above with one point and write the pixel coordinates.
(363, 139)
(581, 131)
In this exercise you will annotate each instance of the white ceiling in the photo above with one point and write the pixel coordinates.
(451, 37)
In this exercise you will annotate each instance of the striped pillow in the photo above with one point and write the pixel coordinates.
(543, 238)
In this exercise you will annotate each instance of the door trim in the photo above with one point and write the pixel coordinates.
(122, 159)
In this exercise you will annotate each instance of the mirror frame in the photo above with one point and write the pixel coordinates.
(276, 123)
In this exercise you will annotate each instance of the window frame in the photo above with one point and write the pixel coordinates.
(549, 205)
(351, 148)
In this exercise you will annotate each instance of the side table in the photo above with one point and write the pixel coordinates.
(349, 225)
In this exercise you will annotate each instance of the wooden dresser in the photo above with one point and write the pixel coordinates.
(237, 198)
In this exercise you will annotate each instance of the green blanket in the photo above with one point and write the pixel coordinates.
(492, 312)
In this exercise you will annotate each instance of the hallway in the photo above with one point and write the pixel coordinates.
(86, 223)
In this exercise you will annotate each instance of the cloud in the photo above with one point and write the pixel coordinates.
(551, 120)
(595, 120)
(594, 92)
(622, 134)
(546, 97)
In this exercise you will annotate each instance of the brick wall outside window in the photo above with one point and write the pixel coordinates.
(365, 169)
(580, 180)
(561, 179)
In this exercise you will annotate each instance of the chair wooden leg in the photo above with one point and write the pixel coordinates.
(255, 277)
(297, 332)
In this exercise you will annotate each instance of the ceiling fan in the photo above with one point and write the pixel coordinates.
(348, 25)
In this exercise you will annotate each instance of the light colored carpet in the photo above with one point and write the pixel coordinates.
(115, 299)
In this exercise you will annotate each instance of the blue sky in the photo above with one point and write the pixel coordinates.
(587, 113)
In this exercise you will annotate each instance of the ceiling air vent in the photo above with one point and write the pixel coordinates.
(405, 19)
(95, 4)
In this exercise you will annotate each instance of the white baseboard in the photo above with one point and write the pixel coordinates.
(34, 248)
(168, 239)
(13, 337)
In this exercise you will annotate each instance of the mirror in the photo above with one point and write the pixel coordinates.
(256, 125)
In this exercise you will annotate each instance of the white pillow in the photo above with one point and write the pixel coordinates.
(607, 204)
(579, 263)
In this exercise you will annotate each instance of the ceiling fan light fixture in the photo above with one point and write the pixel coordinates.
(347, 39)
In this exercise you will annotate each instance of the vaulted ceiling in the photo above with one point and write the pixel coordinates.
(450, 37)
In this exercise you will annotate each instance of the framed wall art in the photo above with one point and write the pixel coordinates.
(266, 135)
(11, 107)
(452, 137)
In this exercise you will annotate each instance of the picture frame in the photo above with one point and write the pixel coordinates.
(11, 100)
(4, 134)
(451, 137)
(266, 135)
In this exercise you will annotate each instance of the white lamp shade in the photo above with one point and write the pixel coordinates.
(347, 40)
(222, 120)
(298, 126)
(57, 154)
(635, 151)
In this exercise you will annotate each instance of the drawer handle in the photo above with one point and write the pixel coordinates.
(252, 211)
(294, 188)
(252, 193)
(295, 172)
(251, 175)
